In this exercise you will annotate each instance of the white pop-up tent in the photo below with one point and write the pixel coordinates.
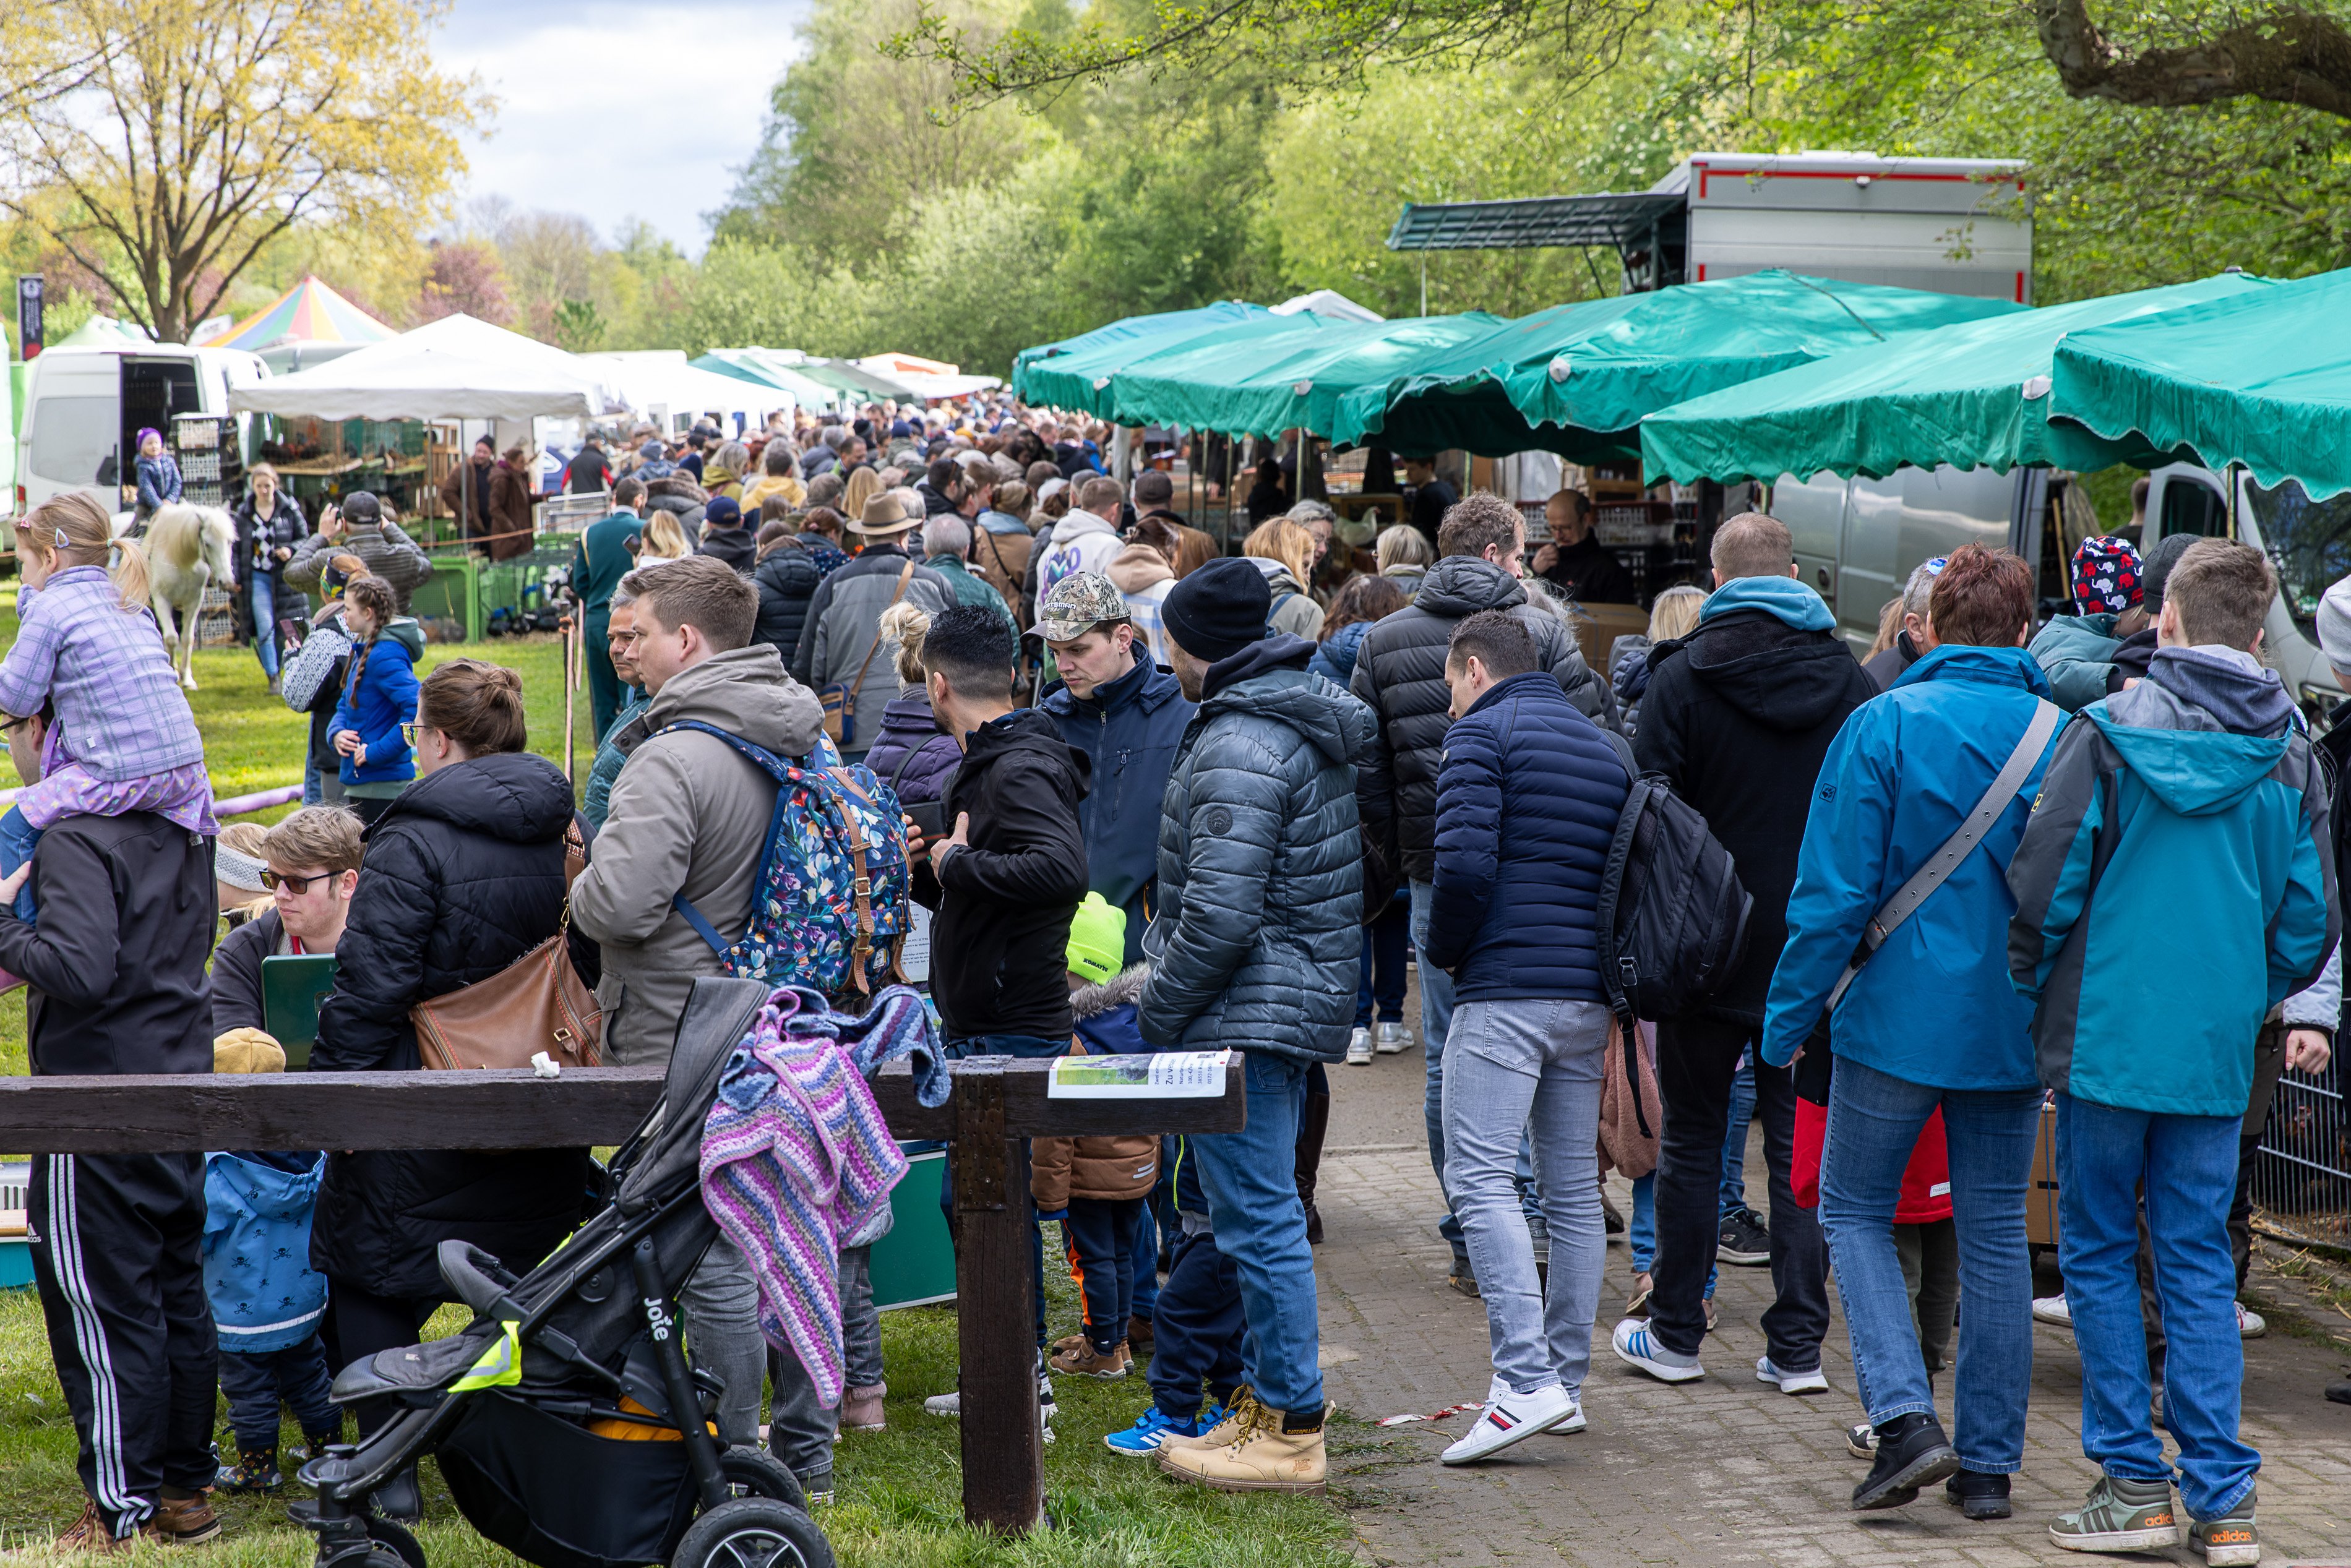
(455, 367)
(660, 379)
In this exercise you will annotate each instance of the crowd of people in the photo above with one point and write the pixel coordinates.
(1160, 797)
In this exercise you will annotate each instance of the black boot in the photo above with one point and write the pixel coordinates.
(1912, 1452)
(1978, 1495)
(1314, 1121)
(401, 1500)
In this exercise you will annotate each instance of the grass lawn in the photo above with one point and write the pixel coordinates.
(899, 1499)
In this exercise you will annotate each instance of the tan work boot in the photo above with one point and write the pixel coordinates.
(187, 1522)
(1224, 1432)
(861, 1409)
(89, 1534)
(1082, 1359)
(1264, 1458)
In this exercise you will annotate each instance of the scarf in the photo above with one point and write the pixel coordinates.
(795, 1156)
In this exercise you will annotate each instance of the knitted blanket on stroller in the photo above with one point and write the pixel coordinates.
(796, 1156)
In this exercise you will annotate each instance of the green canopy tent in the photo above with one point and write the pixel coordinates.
(1074, 373)
(762, 368)
(2259, 377)
(1579, 378)
(1971, 394)
(1290, 372)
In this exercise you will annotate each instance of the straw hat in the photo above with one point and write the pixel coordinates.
(885, 514)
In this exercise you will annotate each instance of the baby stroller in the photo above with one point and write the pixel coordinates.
(540, 1410)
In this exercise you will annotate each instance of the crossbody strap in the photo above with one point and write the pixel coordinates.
(905, 575)
(2046, 717)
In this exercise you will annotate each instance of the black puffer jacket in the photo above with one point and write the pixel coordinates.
(464, 875)
(1262, 864)
(787, 581)
(1400, 674)
(1739, 716)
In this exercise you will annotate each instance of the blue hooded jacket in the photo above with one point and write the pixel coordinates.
(1934, 1006)
(379, 696)
(2180, 842)
(265, 1295)
(1131, 728)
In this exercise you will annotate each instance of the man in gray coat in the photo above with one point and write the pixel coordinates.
(689, 814)
(841, 642)
(1255, 949)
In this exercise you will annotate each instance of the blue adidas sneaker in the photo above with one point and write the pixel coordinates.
(1142, 1439)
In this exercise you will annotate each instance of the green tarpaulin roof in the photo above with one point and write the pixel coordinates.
(1578, 378)
(1975, 395)
(2262, 378)
(1286, 373)
(1074, 373)
(762, 369)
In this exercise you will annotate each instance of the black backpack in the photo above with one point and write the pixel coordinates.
(1673, 918)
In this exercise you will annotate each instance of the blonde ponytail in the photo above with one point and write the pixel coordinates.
(907, 625)
(130, 574)
(72, 529)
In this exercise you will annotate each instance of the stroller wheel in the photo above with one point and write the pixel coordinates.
(752, 1532)
(394, 1538)
(755, 1472)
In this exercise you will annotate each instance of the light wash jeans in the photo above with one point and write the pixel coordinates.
(1520, 1068)
(721, 1303)
(1874, 1121)
(1249, 1179)
(1734, 1141)
(2188, 1166)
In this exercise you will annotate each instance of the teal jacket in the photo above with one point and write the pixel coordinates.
(2177, 882)
(602, 558)
(2077, 654)
(1934, 1005)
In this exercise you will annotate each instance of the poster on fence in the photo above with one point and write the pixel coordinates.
(1165, 1075)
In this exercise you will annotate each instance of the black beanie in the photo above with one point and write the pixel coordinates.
(1219, 610)
(2157, 568)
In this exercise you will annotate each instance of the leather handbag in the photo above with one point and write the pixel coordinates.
(537, 1003)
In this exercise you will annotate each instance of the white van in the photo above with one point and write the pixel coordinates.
(84, 408)
(1857, 542)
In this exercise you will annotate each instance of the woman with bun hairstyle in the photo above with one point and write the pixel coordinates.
(464, 875)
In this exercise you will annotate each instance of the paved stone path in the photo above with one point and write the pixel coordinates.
(1719, 1472)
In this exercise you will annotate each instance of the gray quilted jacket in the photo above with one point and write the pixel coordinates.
(1258, 940)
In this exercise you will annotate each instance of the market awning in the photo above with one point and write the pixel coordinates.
(1070, 373)
(2261, 377)
(1974, 394)
(770, 368)
(455, 367)
(309, 312)
(648, 379)
(1289, 373)
(1577, 379)
(1624, 221)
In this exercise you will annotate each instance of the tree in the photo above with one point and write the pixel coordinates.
(464, 277)
(579, 327)
(203, 130)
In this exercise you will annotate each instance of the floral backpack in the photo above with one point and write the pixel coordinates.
(830, 908)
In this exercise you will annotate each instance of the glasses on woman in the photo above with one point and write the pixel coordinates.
(408, 733)
(296, 886)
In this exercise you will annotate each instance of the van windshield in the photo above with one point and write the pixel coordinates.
(2309, 543)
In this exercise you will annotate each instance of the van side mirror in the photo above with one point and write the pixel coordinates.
(109, 471)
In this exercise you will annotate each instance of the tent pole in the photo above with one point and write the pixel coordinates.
(1423, 282)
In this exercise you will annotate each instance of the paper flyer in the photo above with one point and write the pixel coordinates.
(1163, 1075)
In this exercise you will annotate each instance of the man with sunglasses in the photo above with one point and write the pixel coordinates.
(310, 864)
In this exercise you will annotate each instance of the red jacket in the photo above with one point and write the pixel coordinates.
(1925, 1184)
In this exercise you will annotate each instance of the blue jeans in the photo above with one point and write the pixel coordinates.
(1249, 1179)
(2187, 1167)
(1436, 1017)
(1518, 1064)
(256, 1385)
(1381, 988)
(1874, 1123)
(263, 590)
(1734, 1142)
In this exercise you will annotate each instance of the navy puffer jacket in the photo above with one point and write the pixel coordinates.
(786, 578)
(1526, 801)
(1262, 864)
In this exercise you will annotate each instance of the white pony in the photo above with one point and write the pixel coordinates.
(189, 549)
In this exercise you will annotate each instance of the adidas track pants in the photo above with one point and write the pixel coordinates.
(115, 1256)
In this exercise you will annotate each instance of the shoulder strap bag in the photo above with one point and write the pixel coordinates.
(537, 1003)
(840, 701)
(2046, 717)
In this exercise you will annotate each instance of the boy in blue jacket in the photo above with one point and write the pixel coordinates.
(2195, 791)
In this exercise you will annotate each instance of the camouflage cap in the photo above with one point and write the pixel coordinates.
(1077, 603)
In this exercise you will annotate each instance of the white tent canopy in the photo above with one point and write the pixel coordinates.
(455, 367)
(650, 378)
(1329, 303)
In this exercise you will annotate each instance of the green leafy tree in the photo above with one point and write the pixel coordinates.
(579, 326)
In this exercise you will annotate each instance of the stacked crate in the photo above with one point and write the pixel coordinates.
(204, 445)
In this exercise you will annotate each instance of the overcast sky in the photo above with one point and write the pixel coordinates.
(617, 111)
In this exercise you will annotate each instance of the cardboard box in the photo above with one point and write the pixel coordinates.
(2041, 1187)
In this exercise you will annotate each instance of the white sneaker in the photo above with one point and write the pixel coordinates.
(2249, 1323)
(2053, 1309)
(1636, 1346)
(1497, 1390)
(1359, 1049)
(1513, 1418)
(1393, 1038)
(951, 1406)
(1813, 1381)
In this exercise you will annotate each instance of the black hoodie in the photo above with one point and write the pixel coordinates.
(464, 875)
(1738, 716)
(999, 950)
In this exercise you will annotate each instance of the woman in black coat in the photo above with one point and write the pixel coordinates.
(464, 875)
(269, 524)
(786, 578)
